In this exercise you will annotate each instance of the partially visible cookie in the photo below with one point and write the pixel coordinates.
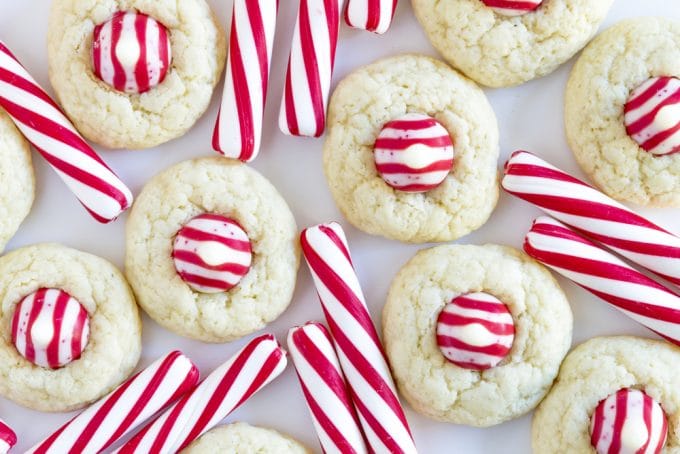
(387, 155)
(475, 335)
(71, 328)
(18, 181)
(622, 123)
(241, 438)
(500, 47)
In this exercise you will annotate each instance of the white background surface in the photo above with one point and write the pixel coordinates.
(529, 116)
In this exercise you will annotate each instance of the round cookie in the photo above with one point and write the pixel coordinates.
(242, 438)
(444, 391)
(617, 62)
(373, 96)
(222, 187)
(597, 369)
(118, 119)
(18, 181)
(500, 51)
(114, 344)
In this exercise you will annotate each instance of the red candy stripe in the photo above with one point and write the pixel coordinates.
(512, 7)
(372, 15)
(7, 437)
(50, 328)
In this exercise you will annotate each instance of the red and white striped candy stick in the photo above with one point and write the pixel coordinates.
(227, 387)
(359, 350)
(95, 185)
(325, 390)
(606, 276)
(372, 15)
(117, 414)
(575, 203)
(238, 130)
(7, 437)
(310, 68)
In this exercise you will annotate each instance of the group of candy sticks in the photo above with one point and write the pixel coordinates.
(349, 388)
(238, 130)
(612, 225)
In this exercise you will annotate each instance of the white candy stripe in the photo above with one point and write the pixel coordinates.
(372, 15)
(238, 130)
(356, 340)
(120, 412)
(43, 124)
(326, 392)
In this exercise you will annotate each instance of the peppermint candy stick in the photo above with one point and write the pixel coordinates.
(238, 130)
(577, 204)
(7, 437)
(117, 414)
(356, 340)
(231, 384)
(372, 15)
(45, 126)
(605, 276)
(310, 68)
(325, 390)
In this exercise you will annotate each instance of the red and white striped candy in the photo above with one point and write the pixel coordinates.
(413, 153)
(475, 331)
(310, 68)
(50, 328)
(628, 422)
(226, 388)
(39, 119)
(7, 437)
(513, 7)
(325, 390)
(238, 130)
(124, 409)
(372, 15)
(212, 253)
(652, 115)
(131, 52)
(575, 203)
(605, 276)
(359, 350)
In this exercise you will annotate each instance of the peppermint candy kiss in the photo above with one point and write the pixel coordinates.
(50, 328)
(413, 153)
(512, 7)
(212, 253)
(475, 331)
(131, 52)
(628, 422)
(7, 437)
(652, 115)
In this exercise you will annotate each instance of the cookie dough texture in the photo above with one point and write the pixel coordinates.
(445, 392)
(374, 95)
(501, 51)
(226, 187)
(18, 182)
(241, 438)
(593, 371)
(614, 64)
(115, 328)
(121, 120)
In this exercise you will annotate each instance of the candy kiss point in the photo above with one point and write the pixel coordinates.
(213, 253)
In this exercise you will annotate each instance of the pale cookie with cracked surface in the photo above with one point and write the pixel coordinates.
(597, 369)
(127, 120)
(114, 344)
(222, 187)
(617, 62)
(18, 181)
(242, 438)
(371, 97)
(500, 51)
(444, 391)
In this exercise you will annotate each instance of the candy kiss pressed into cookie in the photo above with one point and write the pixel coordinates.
(475, 331)
(131, 52)
(413, 153)
(512, 7)
(50, 328)
(628, 421)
